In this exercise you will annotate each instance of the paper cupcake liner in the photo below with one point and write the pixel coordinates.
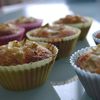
(96, 40)
(18, 36)
(27, 76)
(84, 32)
(84, 27)
(65, 47)
(24, 79)
(65, 44)
(90, 81)
(79, 25)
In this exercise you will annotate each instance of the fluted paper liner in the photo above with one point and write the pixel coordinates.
(90, 81)
(65, 44)
(27, 76)
(84, 27)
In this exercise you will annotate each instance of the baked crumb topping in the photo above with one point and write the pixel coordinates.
(22, 52)
(90, 61)
(71, 19)
(55, 31)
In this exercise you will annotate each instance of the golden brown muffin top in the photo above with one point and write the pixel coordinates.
(54, 31)
(23, 19)
(7, 29)
(91, 60)
(15, 53)
(71, 19)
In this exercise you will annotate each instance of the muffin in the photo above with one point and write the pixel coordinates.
(26, 64)
(28, 23)
(81, 22)
(9, 32)
(62, 36)
(96, 37)
(86, 63)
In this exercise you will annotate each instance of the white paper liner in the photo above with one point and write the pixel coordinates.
(90, 81)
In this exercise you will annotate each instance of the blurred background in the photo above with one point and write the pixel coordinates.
(81, 7)
(10, 2)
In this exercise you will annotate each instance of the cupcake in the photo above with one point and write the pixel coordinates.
(96, 37)
(81, 22)
(86, 63)
(9, 32)
(26, 64)
(28, 23)
(64, 37)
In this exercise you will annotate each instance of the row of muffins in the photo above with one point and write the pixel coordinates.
(25, 64)
(28, 60)
(85, 61)
(29, 23)
(59, 33)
